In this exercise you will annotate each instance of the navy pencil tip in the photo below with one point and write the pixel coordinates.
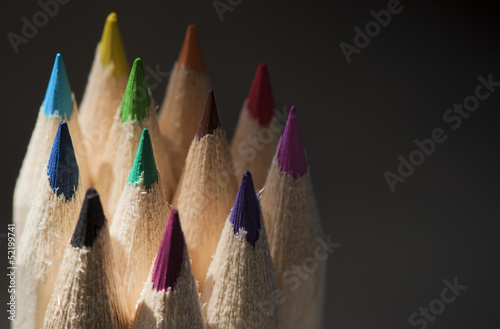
(245, 214)
(90, 222)
(62, 168)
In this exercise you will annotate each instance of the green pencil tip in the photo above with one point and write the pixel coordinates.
(136, 100)
(144, 171)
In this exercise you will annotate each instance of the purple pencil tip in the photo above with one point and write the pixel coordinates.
(291, 157)
(246, 210)
(168, 263)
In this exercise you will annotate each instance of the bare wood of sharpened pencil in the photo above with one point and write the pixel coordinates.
(293, 226)
(170, 298)
(206, 192)
(104, 91)
(35, 160)
(182, 108)
(130, 120)
(87, 293)
(139, 221)
(50, 222)
(240, 287)
(257, 131)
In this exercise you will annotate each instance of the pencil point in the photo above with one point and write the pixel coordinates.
(291, 157)
(136, 100)
(168, 263)
(190, 54)
(144, 171)
(260, 98)
(210, 120)
(90, 222)
(58, 101)
(111, 47)
(245, 214)
(62, 167)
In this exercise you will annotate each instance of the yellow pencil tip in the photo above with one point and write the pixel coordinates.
(111, 47)
(111, 17)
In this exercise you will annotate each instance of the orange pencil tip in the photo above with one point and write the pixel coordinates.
(190, 55)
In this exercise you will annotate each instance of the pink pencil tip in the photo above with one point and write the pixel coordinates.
(291, 157)
(260, 102)
(168, 263)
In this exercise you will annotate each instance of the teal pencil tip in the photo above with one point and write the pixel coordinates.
(136, 100)
(144, 171)
(58, 101)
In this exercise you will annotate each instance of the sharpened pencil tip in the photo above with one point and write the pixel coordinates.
(210, 120)
(260, 102)
(291, 157)
(190, 54)
(144, 171)
(62, 167)
(136, 100)
(58, 101)
(90, 222)
(111, 47)
(245, 214)
(168, 263)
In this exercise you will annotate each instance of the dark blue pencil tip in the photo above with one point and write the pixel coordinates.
(58, 100)
(246, 210)
(62, 168)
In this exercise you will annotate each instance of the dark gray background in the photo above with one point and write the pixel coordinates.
(356, 119)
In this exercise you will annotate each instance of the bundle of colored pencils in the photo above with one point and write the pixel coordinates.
(129, 220)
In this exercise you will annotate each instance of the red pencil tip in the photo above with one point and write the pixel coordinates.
(210, 120)
(260, 98)
(291, 157)
(168, 263)
(190, 54)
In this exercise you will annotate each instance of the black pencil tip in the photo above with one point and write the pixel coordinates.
(90, 222)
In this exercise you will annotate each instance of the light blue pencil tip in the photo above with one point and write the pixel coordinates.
(58, 100)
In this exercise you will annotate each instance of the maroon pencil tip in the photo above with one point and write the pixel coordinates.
(210, 120)
(168, 263)
(260, 102)
(291, 157)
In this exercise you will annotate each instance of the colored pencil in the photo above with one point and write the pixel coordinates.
(207, 189)
(87, 293)
(140, 219)
(257, 132)
(136, 112)
(58, 104)
(293, 226)
(50, 222)
(170, 297)
(120, 259)
(104, 91)
(181, 110)
(240, 287)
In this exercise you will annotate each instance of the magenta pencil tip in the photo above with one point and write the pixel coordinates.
(168, 263)
(291, 157)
